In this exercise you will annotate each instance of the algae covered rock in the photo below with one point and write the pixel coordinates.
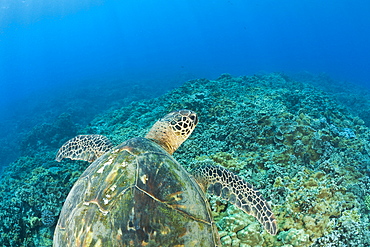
(303, 149)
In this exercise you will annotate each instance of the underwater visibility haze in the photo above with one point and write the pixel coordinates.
(48, 43)
(281, 89)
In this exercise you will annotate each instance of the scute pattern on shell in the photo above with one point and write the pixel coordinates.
(136, 195)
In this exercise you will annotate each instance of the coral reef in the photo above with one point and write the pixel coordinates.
(34, 123)
(305, 151)
(367, 202)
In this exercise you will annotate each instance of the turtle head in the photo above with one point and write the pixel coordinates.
(173, 129)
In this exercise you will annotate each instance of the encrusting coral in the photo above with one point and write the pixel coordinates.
(305, 152)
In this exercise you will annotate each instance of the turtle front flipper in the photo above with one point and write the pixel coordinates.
(84, 147)
(221, 182)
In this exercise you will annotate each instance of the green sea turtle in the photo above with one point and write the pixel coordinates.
(136, 194)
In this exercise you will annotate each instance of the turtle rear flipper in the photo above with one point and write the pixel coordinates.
(221, 182)
(84, 147)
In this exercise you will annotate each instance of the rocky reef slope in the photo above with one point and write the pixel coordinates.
(306, 152)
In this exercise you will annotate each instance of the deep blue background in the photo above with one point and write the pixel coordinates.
(50, 45)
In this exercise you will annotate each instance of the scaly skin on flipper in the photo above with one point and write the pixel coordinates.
(221, 182)
(136, 194)
(84, 147)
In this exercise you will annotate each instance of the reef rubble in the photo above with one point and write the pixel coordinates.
(306, 151)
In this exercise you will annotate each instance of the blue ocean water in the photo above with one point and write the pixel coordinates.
(46, 46)
(80, 67)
